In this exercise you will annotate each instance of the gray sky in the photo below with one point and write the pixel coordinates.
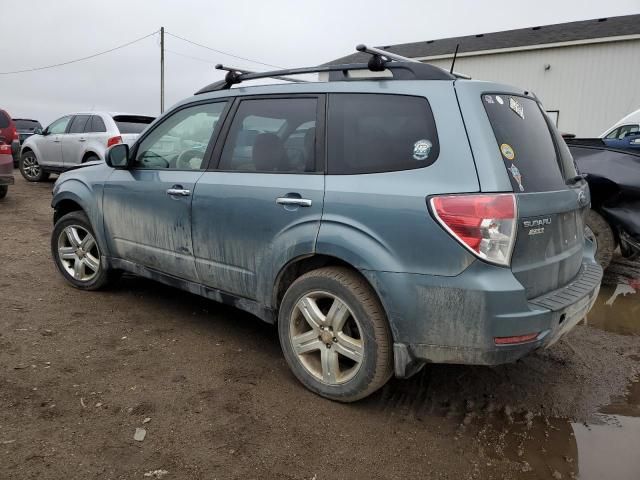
(281, 32)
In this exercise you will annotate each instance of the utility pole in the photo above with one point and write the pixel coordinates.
(161, 69)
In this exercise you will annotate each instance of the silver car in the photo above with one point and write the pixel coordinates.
(77, 138)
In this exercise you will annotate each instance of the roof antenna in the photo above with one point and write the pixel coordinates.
(455, 55)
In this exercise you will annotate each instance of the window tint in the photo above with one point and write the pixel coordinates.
(59, 126)
(78, 123)
(525, 143)
(4, 120)
(132, 123)
(180, 141)
(272, 135)
(626, 130)
(96, 125)
(369, 133)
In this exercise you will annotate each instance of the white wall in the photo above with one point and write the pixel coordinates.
(592, 85)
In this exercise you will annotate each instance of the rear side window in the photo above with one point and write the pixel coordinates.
(272, 135)
(4, 120)
(525, 142)
(370, 133)
(132, 123)
(78, 123)
(96, 125)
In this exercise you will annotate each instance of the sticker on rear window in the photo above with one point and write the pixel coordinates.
(488, 98)
(499, 99)
(516, 107)
(422, 149)
(515, 173)
(507, 151)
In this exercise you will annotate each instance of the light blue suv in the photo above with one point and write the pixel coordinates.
(382, 223)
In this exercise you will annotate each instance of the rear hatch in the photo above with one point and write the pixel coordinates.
(551, 200)
(131, 126)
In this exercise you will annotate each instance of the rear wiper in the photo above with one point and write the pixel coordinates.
(576, 179)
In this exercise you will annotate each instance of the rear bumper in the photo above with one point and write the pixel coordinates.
(456, 319)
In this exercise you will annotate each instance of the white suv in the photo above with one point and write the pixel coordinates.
(77, 138)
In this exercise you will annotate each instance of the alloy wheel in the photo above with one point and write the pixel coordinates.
(30, 166)
(326, 337)
(78, 253)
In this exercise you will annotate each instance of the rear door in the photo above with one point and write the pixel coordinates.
(262, 206)
(551, 201)
(73, 142)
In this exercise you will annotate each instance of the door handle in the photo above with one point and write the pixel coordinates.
(82, 139)
(178, 191)
(300, 202)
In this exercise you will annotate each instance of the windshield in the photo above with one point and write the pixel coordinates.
(132, 123)
(29, 125)
(525, 139)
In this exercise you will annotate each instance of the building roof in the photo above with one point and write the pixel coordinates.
(522, 37)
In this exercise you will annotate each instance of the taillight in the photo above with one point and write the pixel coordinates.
(484, 224)
(114, 141)
(16, 135)
(5, 149)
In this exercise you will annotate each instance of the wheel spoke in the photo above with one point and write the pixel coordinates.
(78, 269)
(72, 236)
(306, 342)
(330, 365)
(338, 314)
(349, 347)
(92, 262)
(311, 312)
(67, 253)
(88, 242)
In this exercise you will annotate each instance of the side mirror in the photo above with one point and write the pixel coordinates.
(118, 156)
(38, 131)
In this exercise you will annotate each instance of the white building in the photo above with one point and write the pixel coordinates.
(587, 73)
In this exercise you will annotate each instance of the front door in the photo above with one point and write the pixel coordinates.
(262, 206)
(50, 145)
(147, 208)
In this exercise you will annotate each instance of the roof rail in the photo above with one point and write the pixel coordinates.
(402, 68)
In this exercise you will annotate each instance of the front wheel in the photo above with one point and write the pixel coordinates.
(30, 169)
(334, 334)
(77, 254)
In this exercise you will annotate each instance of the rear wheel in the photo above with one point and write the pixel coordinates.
(602, 236)
(3, 191)
(334, 334)
(31, 169)
(77, 254)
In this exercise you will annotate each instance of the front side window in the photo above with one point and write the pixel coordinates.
(372, 133)
(59, 126)
(272, 135)
(627, 130)
(180, 141)
(78, 123)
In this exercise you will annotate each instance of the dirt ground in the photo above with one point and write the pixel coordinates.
(80, 371)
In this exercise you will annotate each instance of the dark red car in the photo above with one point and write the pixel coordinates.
(9, 140)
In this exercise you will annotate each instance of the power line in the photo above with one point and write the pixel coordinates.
(222, 52)
(80, 59)
(204, 60)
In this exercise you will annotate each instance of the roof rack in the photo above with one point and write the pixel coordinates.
(402, 68)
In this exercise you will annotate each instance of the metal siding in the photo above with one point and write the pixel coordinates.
(593, 86)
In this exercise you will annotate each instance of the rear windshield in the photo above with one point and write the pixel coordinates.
(4, 120)
(525, 141)
(29, 125)
(132, 123)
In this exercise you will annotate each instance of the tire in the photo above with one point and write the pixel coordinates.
(603, 237)
(31, 169)
(3, 191)
(346, 357)
(76, 252)
(91, 158)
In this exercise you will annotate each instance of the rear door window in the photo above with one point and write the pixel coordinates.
(132, 123)
(525, 142)
(78, 123)
(96, 125)
(370, 133)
